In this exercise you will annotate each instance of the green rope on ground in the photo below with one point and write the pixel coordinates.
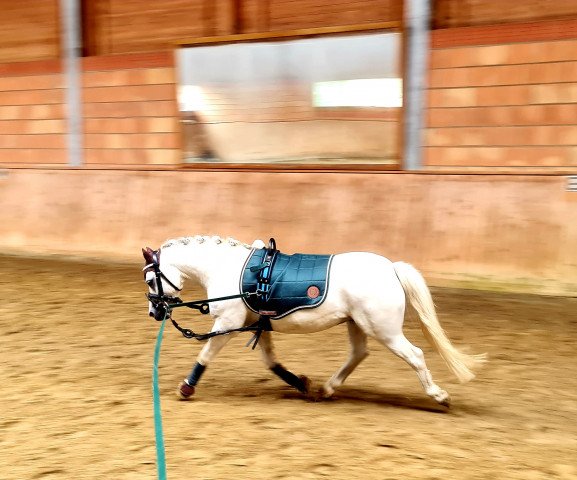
(160, 456)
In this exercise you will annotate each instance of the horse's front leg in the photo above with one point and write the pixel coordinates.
(301, 383)
(187, 388)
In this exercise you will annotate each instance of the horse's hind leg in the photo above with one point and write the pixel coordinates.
(404, 349)
(301, 383)
(359, 352)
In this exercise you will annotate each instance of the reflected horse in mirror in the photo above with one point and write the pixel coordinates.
(366, 291)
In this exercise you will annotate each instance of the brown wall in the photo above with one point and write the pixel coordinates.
(29, 30)
(275, 15)
(458, 13)
(121, 26)
(506, 104)
(517, 232)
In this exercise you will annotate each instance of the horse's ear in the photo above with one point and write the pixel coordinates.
(147, 254)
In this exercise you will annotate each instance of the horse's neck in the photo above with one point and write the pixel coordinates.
(203, 264)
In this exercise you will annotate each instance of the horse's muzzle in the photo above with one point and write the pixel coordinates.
(158, 306)
(158, 312)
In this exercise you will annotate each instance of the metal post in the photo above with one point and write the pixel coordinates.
(417, 21)
(71, 53)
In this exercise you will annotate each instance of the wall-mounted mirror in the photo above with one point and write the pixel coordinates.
(320, 100)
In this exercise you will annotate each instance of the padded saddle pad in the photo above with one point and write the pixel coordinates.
(297, 281)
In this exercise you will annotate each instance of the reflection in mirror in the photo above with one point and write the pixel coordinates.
(322, 100)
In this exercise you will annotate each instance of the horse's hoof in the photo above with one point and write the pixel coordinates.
(446, 403)
(185, 391)
(305, 384)
(326, 392)
(444, 400)
(318, 395)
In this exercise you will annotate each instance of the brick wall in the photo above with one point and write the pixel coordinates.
(129, 107)
(32, 123)
(130, 110)
(509, 104)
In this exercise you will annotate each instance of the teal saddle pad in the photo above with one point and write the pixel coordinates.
(297, 281)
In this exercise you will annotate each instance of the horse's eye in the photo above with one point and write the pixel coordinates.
(150, 283)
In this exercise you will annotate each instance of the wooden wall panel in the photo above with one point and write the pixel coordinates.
(538, 31)
(119, 26)
(29, 30)
(459, 13)
(296, 14)
(124, 26)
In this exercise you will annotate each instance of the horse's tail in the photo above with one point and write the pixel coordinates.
(461, 364)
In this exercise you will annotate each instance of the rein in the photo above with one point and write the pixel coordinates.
(203, 307)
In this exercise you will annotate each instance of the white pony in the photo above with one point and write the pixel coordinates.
(366, 291)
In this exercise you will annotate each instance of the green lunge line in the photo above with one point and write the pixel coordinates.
(160, 457)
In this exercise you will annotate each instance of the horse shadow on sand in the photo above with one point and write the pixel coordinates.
(369, 396)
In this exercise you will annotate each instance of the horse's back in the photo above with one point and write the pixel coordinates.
(363, 265)
(369, 287)
(365, 276)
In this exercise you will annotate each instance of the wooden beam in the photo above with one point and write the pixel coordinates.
(291, 34)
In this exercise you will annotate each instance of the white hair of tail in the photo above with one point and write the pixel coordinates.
(461, 364)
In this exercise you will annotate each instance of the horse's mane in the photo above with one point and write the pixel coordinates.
(200, 239)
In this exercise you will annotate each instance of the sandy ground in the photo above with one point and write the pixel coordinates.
(76, 348)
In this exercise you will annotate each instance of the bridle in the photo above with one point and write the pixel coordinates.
(159, 300)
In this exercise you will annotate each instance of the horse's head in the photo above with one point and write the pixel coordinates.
(163, 283)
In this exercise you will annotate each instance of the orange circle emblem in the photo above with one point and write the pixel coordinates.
(313, 292)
